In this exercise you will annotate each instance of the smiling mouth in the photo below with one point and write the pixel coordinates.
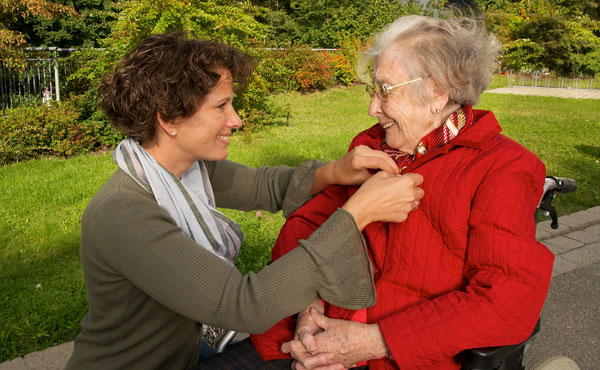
(224, 138)
(387, 125)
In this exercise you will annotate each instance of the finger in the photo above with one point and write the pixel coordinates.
(315, 361)
(297, 366)
(292, 346)
(419, 193)
(336, 367)
(379, 160)
(415, 177)
(320, 320)
(308, 341)
(383, 175)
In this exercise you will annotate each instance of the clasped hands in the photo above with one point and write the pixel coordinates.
(329, 344)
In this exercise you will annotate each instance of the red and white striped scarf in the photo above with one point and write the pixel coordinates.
(459, 120)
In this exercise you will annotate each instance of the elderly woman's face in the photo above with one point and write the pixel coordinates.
(404, 120)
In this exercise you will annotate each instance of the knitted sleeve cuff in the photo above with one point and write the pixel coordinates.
(299, 186)
(340, 254)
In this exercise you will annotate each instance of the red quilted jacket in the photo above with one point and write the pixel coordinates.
(463, 271)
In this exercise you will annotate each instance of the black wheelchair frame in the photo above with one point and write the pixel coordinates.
(509, 357)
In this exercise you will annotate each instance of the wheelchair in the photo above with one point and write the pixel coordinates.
(508, 357)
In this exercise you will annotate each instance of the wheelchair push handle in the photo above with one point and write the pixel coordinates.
(552, 186)
(561, 184)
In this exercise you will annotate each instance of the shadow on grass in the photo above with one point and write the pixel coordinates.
(43, 300)
(590, 150)
(274, 158)
(587, 174)
(249, 130)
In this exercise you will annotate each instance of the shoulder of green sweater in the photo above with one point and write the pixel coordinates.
(225, 164)
(120, 187)
(211, 166)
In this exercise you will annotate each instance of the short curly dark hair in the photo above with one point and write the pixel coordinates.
(170, 74)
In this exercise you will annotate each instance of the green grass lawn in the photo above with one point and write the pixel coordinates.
(43, 296)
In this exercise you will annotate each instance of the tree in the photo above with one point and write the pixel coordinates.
(92, 23)
(325, 23)
(559, 35)
(12, 11)
(230, 21)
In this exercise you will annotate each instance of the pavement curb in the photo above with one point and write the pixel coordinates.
(576, 242)
(53, 358)
(568, 223)
(556, 92)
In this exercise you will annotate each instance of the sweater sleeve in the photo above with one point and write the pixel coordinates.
(246, 188)
(146, 247)
(300, 225)
(507, 274)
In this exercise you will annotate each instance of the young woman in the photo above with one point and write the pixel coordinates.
(158, 256)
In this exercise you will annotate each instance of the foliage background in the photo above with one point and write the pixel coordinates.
(560, 37)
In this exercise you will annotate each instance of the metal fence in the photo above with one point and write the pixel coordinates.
(543, 79)
(38, 83)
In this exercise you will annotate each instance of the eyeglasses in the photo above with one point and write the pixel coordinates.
(383, 90)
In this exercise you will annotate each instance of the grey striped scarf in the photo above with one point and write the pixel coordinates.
(189, 201)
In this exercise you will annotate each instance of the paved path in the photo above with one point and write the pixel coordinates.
(549, 91)
(570, 321)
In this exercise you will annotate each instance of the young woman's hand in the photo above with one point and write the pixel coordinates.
(385, 197)
(353, 168)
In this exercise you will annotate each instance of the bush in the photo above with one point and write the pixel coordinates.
(545, 35)
(297, 69)
(344, 61)
(90, 115)
(252, 105)
(522, 54)
(29, 132)
(314, 71)
(590, 62)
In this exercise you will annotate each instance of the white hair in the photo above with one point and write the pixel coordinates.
(458, 53)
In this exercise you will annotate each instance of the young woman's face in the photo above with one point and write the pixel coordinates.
(205, 134)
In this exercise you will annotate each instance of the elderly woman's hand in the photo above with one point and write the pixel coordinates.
(342, 342)
(306, 328)
(304, 360)
(353, 168)
(385, 197)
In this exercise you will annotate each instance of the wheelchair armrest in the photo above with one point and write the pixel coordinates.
(489, 357)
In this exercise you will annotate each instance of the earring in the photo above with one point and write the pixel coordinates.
(173, 133)
(437, 110)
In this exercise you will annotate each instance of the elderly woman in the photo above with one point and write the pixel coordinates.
(464, 270)
(158, 256)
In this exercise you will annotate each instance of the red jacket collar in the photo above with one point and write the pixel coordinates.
(477, 136)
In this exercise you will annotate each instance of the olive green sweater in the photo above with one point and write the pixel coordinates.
(149, 286)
